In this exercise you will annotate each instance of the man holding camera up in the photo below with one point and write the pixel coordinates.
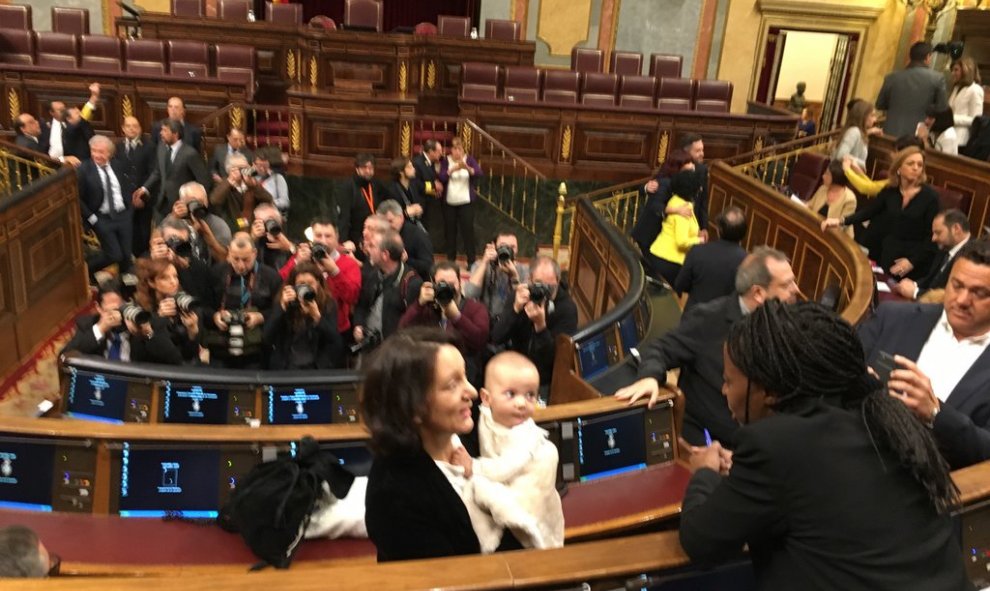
(538, 313)
(494, 278)
(386, 292)
(441, 304)
(342, 274)
(238, 194)
(209, 234)
(274, 247)
(172, 243)
(122, 331)
(247, 290)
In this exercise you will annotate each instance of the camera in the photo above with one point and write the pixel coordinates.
(372, 338)
(304, 293)
(539, 292)
(234, 317)
(320, 251)
(443, 293)
(182, 248)
(185, 302)
(135, 314)
(273, 227)
(196, 210)
(128, 286)
(247, 172)
(504, 254)
(954, 49)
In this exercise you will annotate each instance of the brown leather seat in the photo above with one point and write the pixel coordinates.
(665, 65)
(188, 59)
(188, 8)
(561, 87)
(453, 26)
(284, 14)
(17, 46)
(626, 63)
(322, 21)
(599, 89)
(675, 94)
(99, 53)
(363, 13)
(16, 16)
(806, 175)
(713, 96)
(73, 21)
(233, 10)
(479, 81)
(502, 30)
(57, 50)
(637, 92)
(584, 59)
(952, 199)
(235, 63)
(144, 56)
(522, 84)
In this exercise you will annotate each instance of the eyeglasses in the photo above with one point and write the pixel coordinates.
(55, 562)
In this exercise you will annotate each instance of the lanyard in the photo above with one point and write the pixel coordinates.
(369, 197)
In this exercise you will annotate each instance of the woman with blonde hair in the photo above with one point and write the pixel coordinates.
(966, 98)
(899, 234)
(860, 123)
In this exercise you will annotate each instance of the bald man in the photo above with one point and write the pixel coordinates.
(133, 157)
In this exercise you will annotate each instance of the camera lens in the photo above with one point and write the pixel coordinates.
(273, 227)
(305, 293)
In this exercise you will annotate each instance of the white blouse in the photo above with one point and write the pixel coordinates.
(458, 186)
(966, 103)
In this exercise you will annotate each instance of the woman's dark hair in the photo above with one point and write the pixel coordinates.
(943, 119)
(398, 167)
(838, 175)
(396, 382)
(324, 299)
(147, 271)
(674, 163)
(906, 141)
(686, 184)
(804, 352)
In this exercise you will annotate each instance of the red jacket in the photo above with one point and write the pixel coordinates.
(344, 288)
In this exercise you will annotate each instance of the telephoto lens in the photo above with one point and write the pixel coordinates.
(539, 292)
(185, 302)
(135, 314)
(305, 293)
(320, 251)
(197, 210)
(273, 227)
(504, 254)
(443, 293)
(182, 248)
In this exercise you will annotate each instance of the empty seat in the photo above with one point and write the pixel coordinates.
(713, 96)
(15, 16)
(952, 199)
(599, 89)
(425, 29)
(188, 59)
(503, 30)
(675, 94)
(453, 26)
(584, 59)
(284, 14)
(561, 87)
(806, 175)
(144, 56)
(522, 84)
(234, 10)
(57, 50)
(16, 46)
(479, 81)
(235, 63)
(188, 8)
(322, 21)
(100, 53)
(637, 92)
(626, 63)
(665, 65)
(73, 21)
(365, 14)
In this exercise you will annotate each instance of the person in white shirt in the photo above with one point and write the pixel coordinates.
(938, 132)
(272, 181)
(459, 174)
(966, 98)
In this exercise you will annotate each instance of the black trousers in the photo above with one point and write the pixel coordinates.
(459, 219)
(662, 268)
(142, 231)
(116, 234)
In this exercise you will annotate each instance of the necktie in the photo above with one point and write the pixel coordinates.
(107, 191)
(129, 145)
(168, 161)
(113, 353)
(245, 293)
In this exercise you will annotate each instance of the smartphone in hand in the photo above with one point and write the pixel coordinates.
(884, 365)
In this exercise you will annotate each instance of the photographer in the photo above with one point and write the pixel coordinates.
(209, 234)
(302, 327)
(342, 273)
(171, 243)
(388, 288)
(494, 278)
(238, 194)
(405, 190)
(441, 304)
(539, 312)
(233, 329)
(419, 249)
(159, 290)
(267, 228)
(122, 331)
(272, 181)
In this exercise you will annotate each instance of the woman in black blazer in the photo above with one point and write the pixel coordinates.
(301, 330)
(833, 484)
(415, 399)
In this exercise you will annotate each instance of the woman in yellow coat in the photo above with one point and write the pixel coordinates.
(678, 232)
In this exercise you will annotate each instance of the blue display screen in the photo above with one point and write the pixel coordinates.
(627, 332)
(157, 482)
(194, 404)
(26, 476)
(611, 444)
(355, 458)
(593, 356)
(296, 406)
(97, 397)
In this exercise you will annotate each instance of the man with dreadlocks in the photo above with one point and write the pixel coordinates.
(942, 353)
(833, 484)
(695, 346)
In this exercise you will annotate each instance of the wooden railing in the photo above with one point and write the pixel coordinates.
(772, 165)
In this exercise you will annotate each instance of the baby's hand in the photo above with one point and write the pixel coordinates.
(460, 457)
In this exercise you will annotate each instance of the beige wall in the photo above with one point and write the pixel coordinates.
(740, 51)
(807, 57)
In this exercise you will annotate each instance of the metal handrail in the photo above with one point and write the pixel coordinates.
(20, 167)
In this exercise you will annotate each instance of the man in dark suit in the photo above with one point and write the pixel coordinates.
(419, 249)
(104, 200)
(133, 157)
(906, 95)
(176, 164)
(943, 361)
(235, 145)
(29, 134)
(695, 347)
(191, 134)
(950, 231)
(427, 164)
(709, 270)
(360, 197)
(695, 147)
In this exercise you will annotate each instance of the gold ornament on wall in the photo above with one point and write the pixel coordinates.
(405, 139)
(466, 137)
(431, 75)
(295, 135)
(15, 104)
(290, 64)
(313, 71)
(403, 77)
(237, 117)
(662, 147)
(565, 143)
(126, 106)
(758, 144)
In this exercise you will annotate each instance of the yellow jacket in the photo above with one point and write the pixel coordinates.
(677, 234)
(864, 184)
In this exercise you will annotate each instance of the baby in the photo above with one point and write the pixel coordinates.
(518, 464)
